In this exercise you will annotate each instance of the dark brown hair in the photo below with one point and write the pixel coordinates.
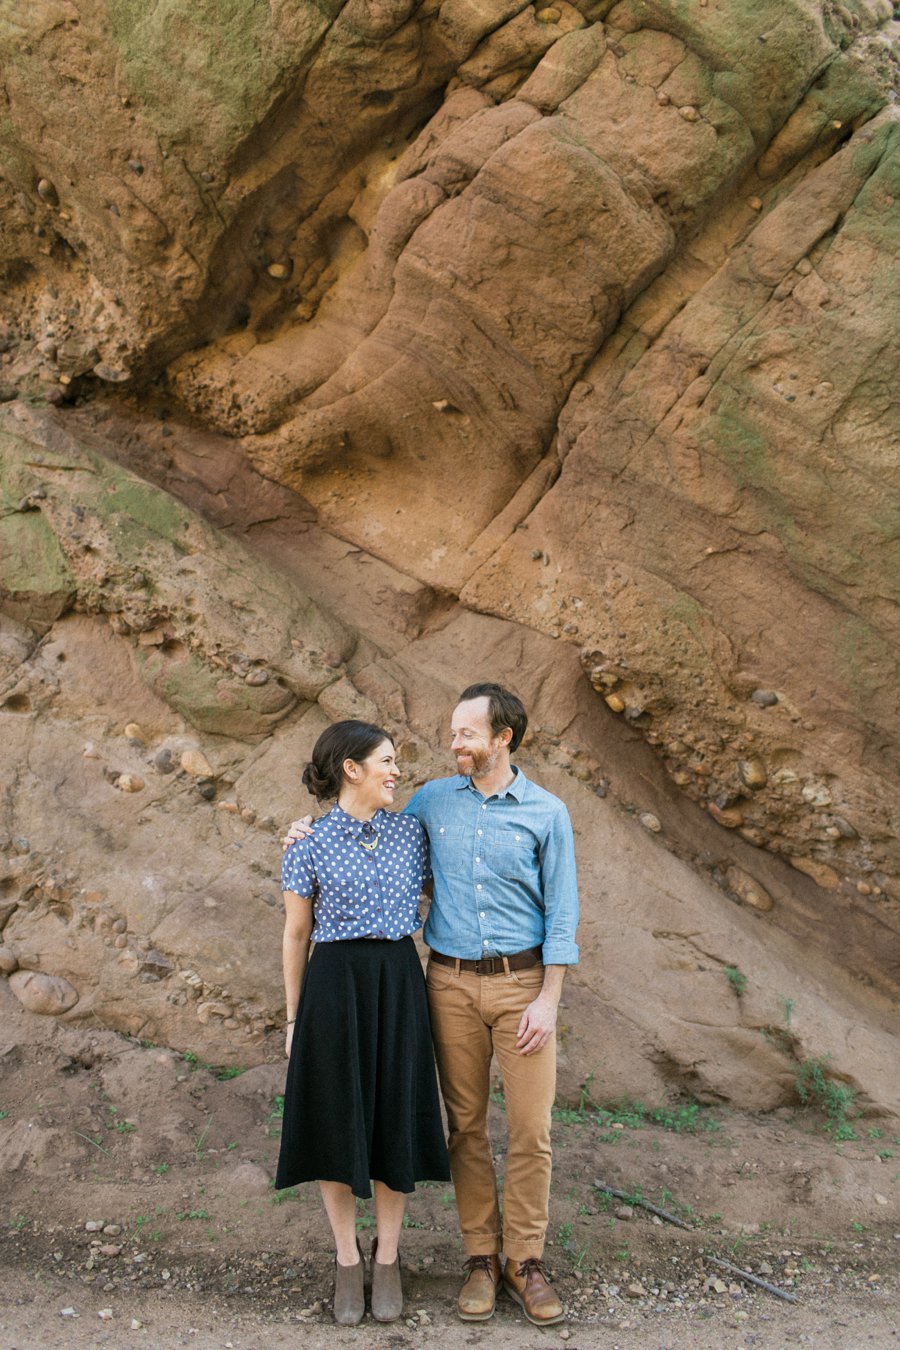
(324, 774)
(505, 709)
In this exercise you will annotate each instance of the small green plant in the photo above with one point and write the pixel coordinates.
(276, 1115)
(162, 1169)
(126, 1126)
(413, 1223)
(96, 1142)
(232, 1071)
(874, 1132)
(737, 979)
(190, 1058)
(688, 1118)
(623, 1254)
(564, 1236)
(289, 1193)
(885, 1154)
(787, 1007)
(858, 1227)
(816, 1088)
(3, 1115)
(199, 1150)
(183, 1214)
(21, 1221)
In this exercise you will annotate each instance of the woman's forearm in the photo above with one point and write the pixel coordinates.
(298, 926)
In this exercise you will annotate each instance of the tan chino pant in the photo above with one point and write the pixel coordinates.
(473, 1017)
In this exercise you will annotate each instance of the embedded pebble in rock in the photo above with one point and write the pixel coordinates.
(48, 995)
(212, 1009)
(748, 889)
(689, 114)
(280, 271)
(821, 873)
(129, 782)
(47, 192)
(650, 822)
(163, 761)
(94, 1226)
(729, 817)
(624, 1212)
(615, 703)
(196, 764)
(134, 733)
(8, 961)
(257, 677)
(816, 794)
(753, 773)
(156, 963)
(111, 374)
(764, 698)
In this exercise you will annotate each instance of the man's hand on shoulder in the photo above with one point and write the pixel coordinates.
(298, 829)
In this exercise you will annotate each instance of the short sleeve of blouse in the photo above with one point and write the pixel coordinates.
(297, 871)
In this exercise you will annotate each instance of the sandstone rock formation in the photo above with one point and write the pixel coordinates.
(563, 337)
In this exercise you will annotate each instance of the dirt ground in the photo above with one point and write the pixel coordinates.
(138, 1212)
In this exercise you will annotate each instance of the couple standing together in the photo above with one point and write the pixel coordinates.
(361, 1100)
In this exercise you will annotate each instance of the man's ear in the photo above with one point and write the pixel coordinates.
(505, 736)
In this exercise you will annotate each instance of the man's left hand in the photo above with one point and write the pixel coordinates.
(537, 1025)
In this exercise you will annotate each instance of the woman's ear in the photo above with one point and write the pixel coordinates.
(351, 770)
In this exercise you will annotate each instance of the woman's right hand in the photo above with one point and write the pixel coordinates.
(298, 829)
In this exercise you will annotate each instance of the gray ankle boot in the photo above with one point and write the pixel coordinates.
(387, 1292)
(349, 1292)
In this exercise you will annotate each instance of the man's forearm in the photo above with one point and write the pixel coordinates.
(553, 983)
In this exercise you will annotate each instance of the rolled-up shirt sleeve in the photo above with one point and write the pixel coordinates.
(560, 890)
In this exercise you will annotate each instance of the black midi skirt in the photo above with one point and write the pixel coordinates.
(361, 1101)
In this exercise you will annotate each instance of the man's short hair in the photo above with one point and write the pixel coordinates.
(505, 709)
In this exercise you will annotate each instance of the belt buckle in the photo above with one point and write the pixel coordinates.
(486, 965)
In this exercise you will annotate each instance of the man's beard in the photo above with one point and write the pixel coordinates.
(482, 762)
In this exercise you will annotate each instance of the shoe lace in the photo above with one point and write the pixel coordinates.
(479, 1263)
(530, 1265)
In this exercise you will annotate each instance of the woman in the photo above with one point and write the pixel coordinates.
(361, 1102)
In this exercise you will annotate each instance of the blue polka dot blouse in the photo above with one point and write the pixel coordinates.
(365, 877)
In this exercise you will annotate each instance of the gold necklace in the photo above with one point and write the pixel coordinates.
(369, 844)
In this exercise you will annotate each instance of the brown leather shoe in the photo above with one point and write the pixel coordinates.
(527, 1282)
(479, 1292)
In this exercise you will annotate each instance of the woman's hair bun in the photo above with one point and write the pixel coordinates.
(315, 783)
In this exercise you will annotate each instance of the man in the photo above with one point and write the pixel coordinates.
(501, 931)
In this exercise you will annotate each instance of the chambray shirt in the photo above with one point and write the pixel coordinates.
(357, 892)
(504, 870)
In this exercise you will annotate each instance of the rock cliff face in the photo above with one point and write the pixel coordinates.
(400, 343)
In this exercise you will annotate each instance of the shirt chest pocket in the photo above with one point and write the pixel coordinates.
(510, 852)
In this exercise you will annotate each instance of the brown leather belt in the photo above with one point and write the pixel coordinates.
(492, 965)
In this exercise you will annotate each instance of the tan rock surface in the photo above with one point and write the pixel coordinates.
(564, 338)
